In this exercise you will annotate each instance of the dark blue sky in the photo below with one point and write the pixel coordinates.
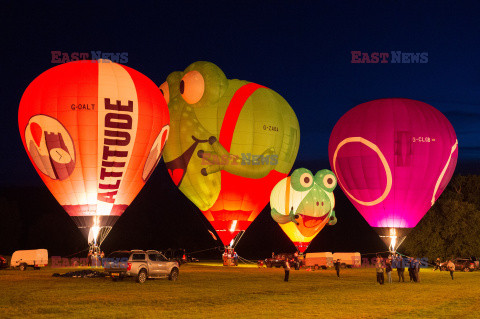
(301, 49)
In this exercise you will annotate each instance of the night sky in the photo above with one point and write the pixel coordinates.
(300, 49)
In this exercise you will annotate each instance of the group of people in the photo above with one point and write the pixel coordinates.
(230, 257)
(386, 265)
(400, 263)
(95, 257)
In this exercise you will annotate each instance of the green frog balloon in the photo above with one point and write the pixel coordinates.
(302, 204)
(230, 142)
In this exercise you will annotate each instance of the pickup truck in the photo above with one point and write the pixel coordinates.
(141, 265)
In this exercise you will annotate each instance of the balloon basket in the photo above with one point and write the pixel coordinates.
(230, 257)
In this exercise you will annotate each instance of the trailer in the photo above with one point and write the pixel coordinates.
(35, 258)
(348, 260)
(319, 260)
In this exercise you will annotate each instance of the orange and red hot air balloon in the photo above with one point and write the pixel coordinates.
(95, 131)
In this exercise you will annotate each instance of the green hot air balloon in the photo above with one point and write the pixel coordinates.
(230, 142)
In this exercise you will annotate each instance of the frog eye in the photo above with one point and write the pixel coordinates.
(165, 91)
(326, 180)
(192, 87)
(302, 179)
(306, 180)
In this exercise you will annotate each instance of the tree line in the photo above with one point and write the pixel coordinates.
(451, 228)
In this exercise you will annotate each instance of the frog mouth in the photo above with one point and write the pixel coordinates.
(311, 221)
(309, 225)
(178, 167)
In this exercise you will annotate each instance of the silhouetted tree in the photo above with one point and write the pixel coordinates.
(451, 228)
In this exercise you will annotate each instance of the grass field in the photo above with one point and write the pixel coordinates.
(207, 291)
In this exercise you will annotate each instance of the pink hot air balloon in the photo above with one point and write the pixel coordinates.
(393, 158)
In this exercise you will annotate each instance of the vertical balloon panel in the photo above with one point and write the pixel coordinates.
(249, 135)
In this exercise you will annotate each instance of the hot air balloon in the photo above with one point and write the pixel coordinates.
(302, 204)
(230, 142)
(393, 158)
(94, 131)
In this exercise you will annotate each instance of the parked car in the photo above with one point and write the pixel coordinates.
(141, 265)
(279, 259)
(463, 264)
(35, 258)
(3, 262)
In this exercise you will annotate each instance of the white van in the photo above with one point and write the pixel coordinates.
(35, 258)
(319, 260)
(348, 259)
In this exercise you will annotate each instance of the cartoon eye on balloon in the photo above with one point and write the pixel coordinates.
(393, 158)
(326, 179)
(302, 179)
(165, 91)
(89, 157)
(192, 87)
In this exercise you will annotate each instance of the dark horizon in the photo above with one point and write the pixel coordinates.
(161, 217)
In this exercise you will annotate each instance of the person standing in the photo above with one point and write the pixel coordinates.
(437, 264)
(102, 255)
(379, 269)
(400, 268)
(235, 258)
(417, 270)
(388, 270)
(89, 258)
(411, 270)
(336, 264)
(451, 268)
(286, 267)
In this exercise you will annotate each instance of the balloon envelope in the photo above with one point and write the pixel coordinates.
(393, 158)
(94, 132)
(302, 204)
(231, 141)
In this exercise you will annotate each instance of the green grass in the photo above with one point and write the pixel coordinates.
(205, 291)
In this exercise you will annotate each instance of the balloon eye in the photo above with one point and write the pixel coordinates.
(329, 181)
(306, 180)
(301, 179)
(192, 87)
(165, 91)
